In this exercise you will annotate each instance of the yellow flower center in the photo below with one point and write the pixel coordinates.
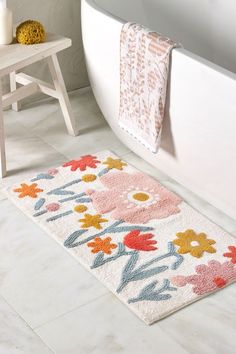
(141, 197)
(194, 243)
(80, 208)
(88, 178)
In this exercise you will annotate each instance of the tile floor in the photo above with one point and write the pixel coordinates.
(48, 302)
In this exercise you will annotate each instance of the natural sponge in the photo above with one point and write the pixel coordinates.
(30, 32)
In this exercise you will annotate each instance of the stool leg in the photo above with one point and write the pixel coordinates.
(15, 106)
(60, 87)
(3, 170)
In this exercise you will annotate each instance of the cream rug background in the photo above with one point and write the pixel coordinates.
(150, 248)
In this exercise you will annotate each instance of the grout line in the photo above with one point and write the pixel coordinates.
(34, 134)
(127, 153)
(72, 310)
(2, 196)
(26, 323)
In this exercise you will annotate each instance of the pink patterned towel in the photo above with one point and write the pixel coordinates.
(144, 67)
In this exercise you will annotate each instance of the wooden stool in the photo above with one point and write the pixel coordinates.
(16, 56)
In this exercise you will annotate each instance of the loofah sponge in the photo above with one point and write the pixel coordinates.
(30, 32)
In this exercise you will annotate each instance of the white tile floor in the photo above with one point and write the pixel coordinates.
(47, 300)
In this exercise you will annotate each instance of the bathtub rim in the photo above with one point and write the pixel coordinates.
(205, 62)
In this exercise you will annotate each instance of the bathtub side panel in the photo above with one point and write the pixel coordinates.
(101, 39)
(198, 141)
(199, 133)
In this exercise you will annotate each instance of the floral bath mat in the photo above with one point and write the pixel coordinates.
(148, 246)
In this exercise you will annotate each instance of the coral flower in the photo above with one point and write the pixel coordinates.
(139, 242)
(100, 245)
(83, 163)
(28, 190)
(195, 244)
(231, 254)
(92, 220)
(209, 277)
(134, 198)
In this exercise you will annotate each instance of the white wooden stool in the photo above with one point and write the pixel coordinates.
(16, 56)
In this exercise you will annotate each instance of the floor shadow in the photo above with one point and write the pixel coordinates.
(90, 129)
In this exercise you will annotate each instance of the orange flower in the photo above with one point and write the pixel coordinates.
(28, 190)
(100, 245)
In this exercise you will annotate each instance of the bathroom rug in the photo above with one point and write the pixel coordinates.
(148, 246)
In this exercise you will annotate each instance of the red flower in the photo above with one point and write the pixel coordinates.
(231, 254)
(82, 163)
(140, 242)
(219, 282)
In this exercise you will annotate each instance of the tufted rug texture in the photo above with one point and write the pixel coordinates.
(142, 241)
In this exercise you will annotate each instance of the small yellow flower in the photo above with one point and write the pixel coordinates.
(92, 220)
(89, 178)
(114, 163)
(80, 208)
(193, 243)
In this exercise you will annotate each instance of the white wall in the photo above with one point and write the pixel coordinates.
(62, 17)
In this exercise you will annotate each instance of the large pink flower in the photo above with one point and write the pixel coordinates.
(134, 198)
(209, 277)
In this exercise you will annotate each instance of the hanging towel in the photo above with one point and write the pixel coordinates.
(144, 67)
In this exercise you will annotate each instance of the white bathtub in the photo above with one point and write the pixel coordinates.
(199, 135)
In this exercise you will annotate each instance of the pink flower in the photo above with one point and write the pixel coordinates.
(53, 207)
(52, 171)
(209, 277)
(134, 198)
